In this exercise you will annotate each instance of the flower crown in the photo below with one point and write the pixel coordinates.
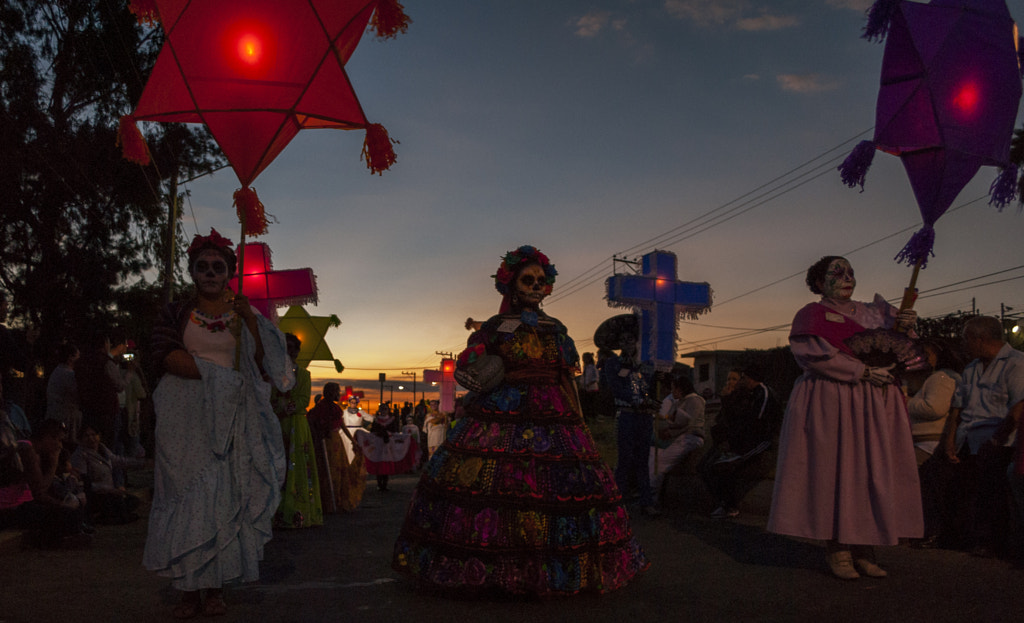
(214, 239)
(523, 255)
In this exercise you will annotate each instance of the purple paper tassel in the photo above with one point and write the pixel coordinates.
(879, 17)
(855, 168)
(1003, 190)
(919, 248)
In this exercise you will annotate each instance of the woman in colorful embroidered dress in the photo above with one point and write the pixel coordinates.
(846, 470)
(517, 498)
(300, 500)
(220, 460)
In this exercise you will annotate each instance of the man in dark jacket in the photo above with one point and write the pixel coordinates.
(744, 435)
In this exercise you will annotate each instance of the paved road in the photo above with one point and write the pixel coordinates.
(702, 570)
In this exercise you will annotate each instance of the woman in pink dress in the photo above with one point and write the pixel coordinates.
(846, 471)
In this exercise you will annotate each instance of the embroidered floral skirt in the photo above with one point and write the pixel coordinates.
(518, 499)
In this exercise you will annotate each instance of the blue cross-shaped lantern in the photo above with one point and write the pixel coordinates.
(661, 300)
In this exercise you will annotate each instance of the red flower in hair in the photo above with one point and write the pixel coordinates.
(214, 238)
(525, 253)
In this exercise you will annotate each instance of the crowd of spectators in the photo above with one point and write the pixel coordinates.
(63, 468)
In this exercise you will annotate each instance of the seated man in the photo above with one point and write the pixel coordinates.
(978, 440)
(743, 434)
(679, 430)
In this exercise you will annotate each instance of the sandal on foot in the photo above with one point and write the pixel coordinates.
(214, 606)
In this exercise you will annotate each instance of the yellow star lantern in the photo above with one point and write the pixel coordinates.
(312, 332)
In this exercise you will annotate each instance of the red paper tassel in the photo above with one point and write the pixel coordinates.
(144, 11)
(390, 19)
(133, 145)
(377, 150)
(250, 212)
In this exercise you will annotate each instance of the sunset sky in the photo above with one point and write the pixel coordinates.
(709, 128)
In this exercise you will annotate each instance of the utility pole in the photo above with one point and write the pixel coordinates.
(413, 374)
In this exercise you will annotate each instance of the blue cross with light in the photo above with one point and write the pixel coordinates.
(661, 299)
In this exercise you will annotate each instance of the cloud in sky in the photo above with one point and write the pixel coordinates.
(856, 5)
(739, 14)
(591, 24)
(806, 83)
(767, 22)
(598, 23)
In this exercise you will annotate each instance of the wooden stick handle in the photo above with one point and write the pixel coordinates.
(910, 293)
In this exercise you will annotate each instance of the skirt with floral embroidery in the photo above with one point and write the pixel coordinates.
(518, 499)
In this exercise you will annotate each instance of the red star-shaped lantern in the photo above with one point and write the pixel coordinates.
(258, 71)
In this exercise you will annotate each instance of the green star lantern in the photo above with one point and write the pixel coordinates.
(312, 331)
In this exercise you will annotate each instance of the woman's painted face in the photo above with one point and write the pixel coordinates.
(838, 283)
(210, 273)
(532, 286)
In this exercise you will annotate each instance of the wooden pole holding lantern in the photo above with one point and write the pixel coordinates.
(910, 293)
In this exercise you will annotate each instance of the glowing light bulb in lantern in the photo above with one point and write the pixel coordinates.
(967, 99)
(250, 49)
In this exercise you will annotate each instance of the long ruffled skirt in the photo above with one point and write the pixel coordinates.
(518, 499)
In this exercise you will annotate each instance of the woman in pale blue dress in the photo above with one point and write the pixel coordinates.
(220, 459)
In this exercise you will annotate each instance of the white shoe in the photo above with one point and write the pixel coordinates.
(841, 565)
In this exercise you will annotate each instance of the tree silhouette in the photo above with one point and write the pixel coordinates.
(83, 231)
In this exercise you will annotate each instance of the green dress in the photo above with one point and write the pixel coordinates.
(300, 501)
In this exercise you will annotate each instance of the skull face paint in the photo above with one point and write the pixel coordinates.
(213, 279)
(532, 286)
(838, 283)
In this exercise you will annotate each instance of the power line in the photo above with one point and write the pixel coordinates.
(924, 294)
(950, 285)
(651, 241)
(707, 221)
(980, 285)
(847, 253)
(701, 227)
